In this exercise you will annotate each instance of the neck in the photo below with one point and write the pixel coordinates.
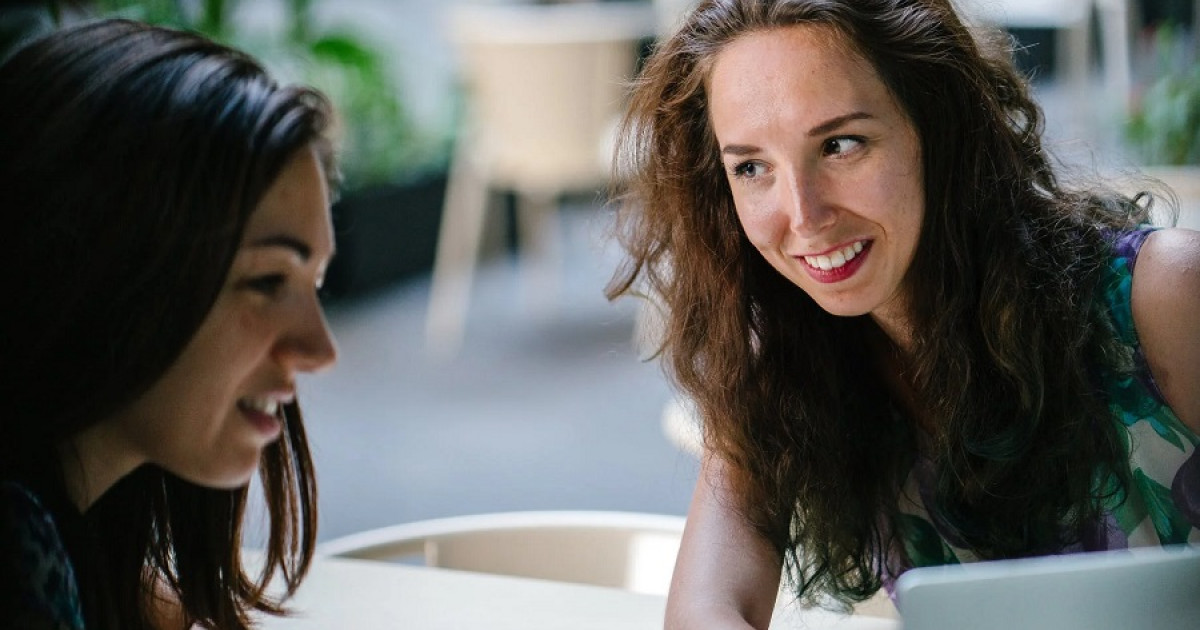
(893, 346)
(92, 461)
(896, 326)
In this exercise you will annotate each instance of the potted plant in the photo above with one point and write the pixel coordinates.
(393, 174)
(1163, 128)
(389, 212)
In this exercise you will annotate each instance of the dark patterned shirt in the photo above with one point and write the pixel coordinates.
(37, 584)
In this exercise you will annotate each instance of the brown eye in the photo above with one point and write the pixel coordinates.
(269, 285)
(841, 145)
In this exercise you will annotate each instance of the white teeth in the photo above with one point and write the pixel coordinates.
(269, 406)
(837, 259)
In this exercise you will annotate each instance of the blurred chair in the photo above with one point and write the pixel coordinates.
(544, 87)
(625, 550)
(1072, 21)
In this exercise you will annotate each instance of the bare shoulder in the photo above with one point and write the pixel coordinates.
(1166, 312)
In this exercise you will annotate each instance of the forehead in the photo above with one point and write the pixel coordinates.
(296, 204)
(806, 71)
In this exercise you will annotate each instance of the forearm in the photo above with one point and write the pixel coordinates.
(710, 618)
(726, 575)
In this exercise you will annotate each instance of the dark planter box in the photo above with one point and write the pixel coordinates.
(384, 233)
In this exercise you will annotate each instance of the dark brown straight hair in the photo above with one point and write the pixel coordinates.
(131, 157)
(1010, 329)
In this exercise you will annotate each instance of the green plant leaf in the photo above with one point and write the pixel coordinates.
(378, 141)
(1164, 126)
(343, 49)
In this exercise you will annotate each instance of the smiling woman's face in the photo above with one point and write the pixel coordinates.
(823, 164)
(209, 416)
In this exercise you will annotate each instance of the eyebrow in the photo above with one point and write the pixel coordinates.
(820, 129)
(834, 123)
(739, 149)
(301, 248)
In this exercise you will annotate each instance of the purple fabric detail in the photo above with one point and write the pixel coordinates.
(1128, 245)
(891, 564)
(1103, 536)
(898, 564)
(1185, 489)
(889, 585)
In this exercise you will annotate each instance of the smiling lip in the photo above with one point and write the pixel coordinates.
(814, 265)
(262, 412)
(267, 425)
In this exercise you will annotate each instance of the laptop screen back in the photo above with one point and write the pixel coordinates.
(1153, 588)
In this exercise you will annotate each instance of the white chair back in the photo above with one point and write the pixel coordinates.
(544, 87)
(625, 550)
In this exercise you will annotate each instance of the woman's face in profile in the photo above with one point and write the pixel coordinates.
(209, 416)
(823, 164)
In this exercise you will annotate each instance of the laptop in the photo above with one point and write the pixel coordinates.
(1154, 588)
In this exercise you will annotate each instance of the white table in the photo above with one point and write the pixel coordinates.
(367, 595)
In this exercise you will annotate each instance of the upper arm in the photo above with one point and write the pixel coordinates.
(1166, 313)
(726, 575)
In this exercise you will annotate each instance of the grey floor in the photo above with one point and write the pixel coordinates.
(540, 410)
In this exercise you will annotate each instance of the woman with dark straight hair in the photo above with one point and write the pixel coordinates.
(909, 342)
(167, 210)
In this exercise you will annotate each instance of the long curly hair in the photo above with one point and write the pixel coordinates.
(1010, 332)
(132, 158)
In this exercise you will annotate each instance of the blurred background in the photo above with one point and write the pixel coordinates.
(481, 368)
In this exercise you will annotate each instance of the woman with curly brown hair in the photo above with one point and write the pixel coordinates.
(910, 344)
(166, 206)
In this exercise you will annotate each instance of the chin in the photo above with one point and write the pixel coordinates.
(230, 478)
(240, 481)
(842, 309)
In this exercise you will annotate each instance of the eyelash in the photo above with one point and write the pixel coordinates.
(268, 285)
(825, 147)
(740, 170)
(828, 148)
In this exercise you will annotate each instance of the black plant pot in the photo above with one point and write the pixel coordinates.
(385, 233)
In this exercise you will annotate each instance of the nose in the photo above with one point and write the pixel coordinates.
(807, 206)
(309, 345)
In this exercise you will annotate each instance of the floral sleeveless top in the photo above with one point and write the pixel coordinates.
(1162, 506)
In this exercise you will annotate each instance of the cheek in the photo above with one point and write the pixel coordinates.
(230, 343)
(760, 224)
(256, 324)
(894, 199)
(246, 321)
(908, 186)
(912, 204)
